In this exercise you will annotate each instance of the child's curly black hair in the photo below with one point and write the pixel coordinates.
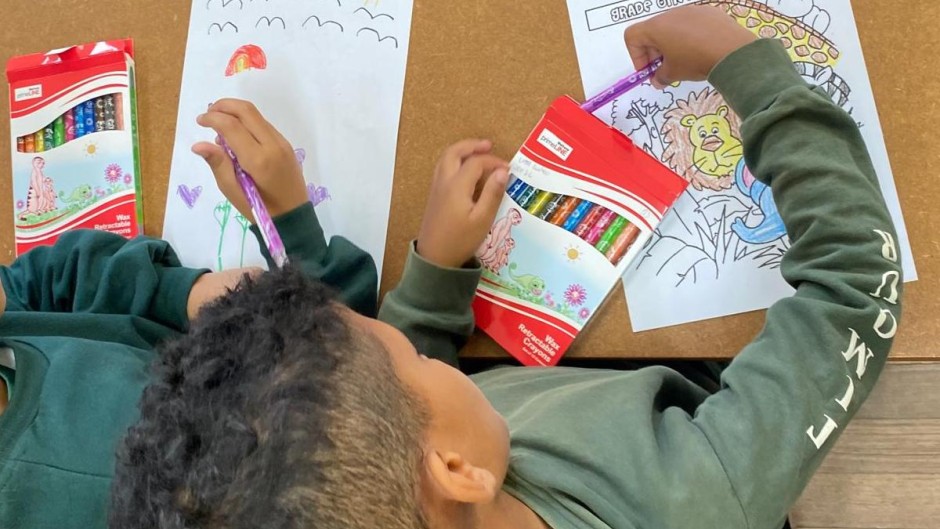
(272, 412)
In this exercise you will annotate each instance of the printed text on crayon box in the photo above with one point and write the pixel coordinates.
(553, 143)
(28, 92)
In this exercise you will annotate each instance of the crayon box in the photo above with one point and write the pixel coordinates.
(581, 203)
(74, 141)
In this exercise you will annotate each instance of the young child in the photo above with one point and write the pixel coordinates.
(81, 323)
(83, 319)
(282, 408)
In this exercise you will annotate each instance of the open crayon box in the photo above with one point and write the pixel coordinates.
(74, 140)
(581, 203)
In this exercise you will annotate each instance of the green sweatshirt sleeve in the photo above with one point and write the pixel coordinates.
(104, 273)
(432, 306)
(789, 393)
(340, 264)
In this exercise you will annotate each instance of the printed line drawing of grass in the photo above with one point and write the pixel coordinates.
(706, 242)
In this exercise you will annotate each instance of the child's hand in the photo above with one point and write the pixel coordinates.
(261, 151)
(691, 40)
(467, 189)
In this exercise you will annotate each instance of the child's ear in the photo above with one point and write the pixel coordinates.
(456, 479)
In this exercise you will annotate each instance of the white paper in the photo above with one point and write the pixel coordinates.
(332, 85)
(700, 264)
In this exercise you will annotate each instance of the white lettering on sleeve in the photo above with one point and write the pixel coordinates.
(892, 297)
(883, 318)
(824, 433)
(858, 347)
(889, 251)
(885, 326)
(849, 393)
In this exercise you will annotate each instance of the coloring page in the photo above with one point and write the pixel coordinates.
(718, 252)
(329, 75)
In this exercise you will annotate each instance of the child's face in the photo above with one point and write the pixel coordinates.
(461, 418)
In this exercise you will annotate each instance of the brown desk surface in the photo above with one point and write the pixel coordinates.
(489, 68)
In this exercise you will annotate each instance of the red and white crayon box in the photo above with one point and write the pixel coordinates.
(73, 128)
(581, 203)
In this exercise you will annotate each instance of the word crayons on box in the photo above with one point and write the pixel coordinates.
(74, 142)
(582, 201)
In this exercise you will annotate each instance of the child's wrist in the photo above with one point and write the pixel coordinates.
(430, 254)
(443, 261)
(278, 208)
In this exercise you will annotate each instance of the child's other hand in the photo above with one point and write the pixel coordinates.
(691, 40)
(262, 152)
(467, 189)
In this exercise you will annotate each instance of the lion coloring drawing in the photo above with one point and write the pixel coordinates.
(702, 140)
(726, 216)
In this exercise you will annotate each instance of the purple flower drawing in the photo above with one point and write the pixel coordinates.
(20, 204)
(584, 313)
(113, 173)
(575, 295)
(317, 194)
(128, 178)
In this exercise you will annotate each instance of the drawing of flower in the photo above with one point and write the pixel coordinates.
(20, 204)
(113, 173)
(99, 192)
(584, 313)
(128, 178)
(575, 295)
(549, 301)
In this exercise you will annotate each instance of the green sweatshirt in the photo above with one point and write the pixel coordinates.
(648, 448)
(83, 318)
(589, 448)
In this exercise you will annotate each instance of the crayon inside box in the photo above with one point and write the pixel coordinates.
(75, 157)
(581, 203)
(94, 115)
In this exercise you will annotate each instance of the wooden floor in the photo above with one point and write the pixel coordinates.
(884, 472)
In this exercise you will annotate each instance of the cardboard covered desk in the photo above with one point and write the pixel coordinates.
(489, 68)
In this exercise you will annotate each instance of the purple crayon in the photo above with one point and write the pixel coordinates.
(622, 86)
(268, 231)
